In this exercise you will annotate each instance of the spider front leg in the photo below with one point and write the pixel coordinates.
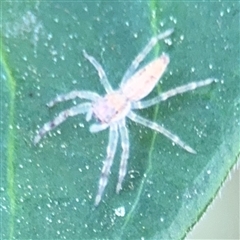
(74, 94)
(79, 109)
(111, 150)
(125, 153)
(134, 117)
(140, 57)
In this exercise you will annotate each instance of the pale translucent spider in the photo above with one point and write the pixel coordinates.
(112, 109)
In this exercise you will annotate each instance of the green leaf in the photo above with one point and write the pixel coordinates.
(48, 190)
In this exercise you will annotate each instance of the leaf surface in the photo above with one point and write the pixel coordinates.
(48, 190)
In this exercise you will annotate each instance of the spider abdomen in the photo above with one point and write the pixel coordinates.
(145, 79)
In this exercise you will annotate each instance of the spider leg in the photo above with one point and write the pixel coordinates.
(173, 92)
(74, 94)
(81, 108)
(134, 117)
(98, 127)
(101, 73)
(111, 150)
(134, 65)
(125, 153)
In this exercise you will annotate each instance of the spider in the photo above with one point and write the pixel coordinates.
(112, 109)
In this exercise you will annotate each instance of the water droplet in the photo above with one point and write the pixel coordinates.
(120, 212)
